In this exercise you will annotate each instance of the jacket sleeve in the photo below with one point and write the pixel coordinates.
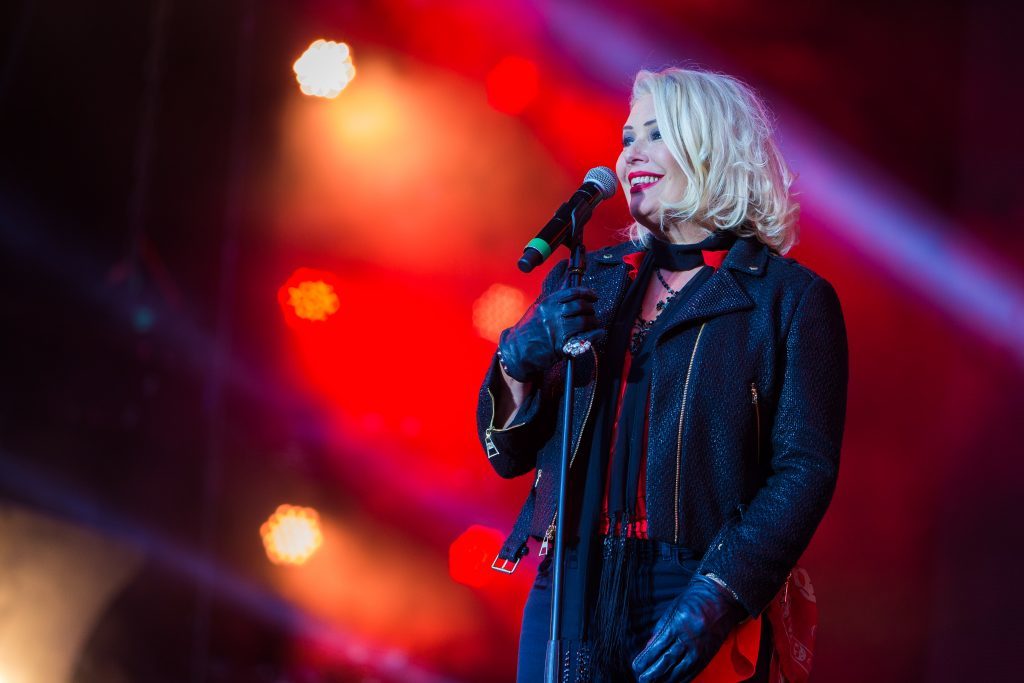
(756, 549)
(512, 450)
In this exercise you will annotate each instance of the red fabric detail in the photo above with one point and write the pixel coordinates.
(737, 659)
(714, 258)
(793, 615)
(633, 261)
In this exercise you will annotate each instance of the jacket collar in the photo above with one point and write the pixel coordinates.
(721, 294)
(747, 255)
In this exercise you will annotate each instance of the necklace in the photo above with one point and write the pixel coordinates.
(671, 292)
(643, 326)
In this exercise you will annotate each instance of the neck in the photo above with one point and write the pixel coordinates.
(682, 232)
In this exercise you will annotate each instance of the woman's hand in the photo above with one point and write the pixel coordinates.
(689, 634)
(533, 344)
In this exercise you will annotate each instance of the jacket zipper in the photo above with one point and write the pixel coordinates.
(549, 535)
(492, 450)
(679, 435)
(757, 417)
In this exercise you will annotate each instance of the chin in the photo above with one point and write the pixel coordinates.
(649, 222)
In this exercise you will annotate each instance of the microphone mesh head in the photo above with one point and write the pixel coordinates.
(604, 178)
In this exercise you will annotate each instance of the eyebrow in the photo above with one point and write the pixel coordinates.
(647, 123)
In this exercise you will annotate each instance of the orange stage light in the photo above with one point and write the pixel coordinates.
(497, 308)
(292, 534)
(309, 296)
(313, 300)
(324, 69)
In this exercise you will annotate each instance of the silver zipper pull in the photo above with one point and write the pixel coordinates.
(548, 535)
(492, 450)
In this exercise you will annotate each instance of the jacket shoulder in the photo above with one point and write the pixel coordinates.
(791, 273)
(604, 256)
(611, 255)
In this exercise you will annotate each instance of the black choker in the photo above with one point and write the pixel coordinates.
(688, 256)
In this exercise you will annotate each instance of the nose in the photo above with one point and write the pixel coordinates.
(636, 153)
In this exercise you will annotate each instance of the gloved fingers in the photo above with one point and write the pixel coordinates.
(570, 327)
(579, 324)
(568, 294)
(662, 668)
(686, 669)
(577, 307)
(655, 647)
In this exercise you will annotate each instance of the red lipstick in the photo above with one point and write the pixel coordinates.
(640, 187)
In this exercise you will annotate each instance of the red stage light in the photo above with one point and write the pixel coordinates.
(512, 84)
(471, 554)
(497, 308)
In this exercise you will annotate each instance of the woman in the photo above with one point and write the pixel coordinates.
(708, 413)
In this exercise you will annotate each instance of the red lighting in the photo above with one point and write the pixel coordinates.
(497, 308)
(471, 554)
(512, 84)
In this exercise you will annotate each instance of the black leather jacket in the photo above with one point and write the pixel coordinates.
(748, 401)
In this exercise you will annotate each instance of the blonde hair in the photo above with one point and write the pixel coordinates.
(719, 132)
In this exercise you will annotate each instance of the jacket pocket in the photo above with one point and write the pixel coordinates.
(755, 400)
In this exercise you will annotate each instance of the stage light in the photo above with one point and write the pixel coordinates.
(314, 300)
(471, 554)
(497, 308)
(292, 534)
(324, 69)
(512, 84)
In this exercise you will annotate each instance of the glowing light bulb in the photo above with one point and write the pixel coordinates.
(497, 308)
(292, 534)
(324, 69)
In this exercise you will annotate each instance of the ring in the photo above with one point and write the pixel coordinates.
(576, 346)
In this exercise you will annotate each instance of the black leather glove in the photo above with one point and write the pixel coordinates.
(532, 345)
(689, 634)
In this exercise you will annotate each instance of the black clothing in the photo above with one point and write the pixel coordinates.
(747, 404)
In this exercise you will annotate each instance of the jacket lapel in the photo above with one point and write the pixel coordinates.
(721, 293)
(610, 279)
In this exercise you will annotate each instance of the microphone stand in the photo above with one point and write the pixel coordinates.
(553, 654)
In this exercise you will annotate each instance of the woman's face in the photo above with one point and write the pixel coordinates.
(647, 171)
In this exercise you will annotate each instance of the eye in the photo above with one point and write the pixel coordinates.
(655, 134)
(627, 140)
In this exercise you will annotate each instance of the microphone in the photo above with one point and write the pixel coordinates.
(598, 185)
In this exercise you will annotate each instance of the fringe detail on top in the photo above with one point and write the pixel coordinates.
(623, 586)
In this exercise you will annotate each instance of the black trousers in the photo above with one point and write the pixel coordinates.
(671, 569)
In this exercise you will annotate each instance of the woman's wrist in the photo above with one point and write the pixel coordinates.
(513, 396)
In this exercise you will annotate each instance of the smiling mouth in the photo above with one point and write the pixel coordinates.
(642, 182)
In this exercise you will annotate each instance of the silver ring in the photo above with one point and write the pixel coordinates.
(576, 346)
